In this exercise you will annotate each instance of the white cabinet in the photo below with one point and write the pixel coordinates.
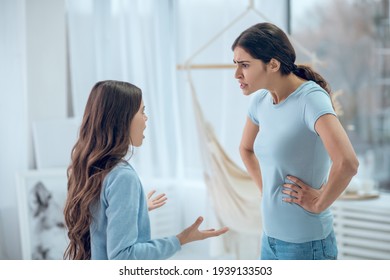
(362, 228)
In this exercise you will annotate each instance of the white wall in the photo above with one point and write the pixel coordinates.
(46, 62)
(33, 79)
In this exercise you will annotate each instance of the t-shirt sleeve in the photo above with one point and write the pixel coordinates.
(316, 104)
(253, 108)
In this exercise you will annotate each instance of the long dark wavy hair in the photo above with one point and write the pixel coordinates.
(104, 140)
(265, 41)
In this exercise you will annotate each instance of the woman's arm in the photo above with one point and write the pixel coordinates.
(344, 161)
(192, 233)
(344, 167)
(247, 154)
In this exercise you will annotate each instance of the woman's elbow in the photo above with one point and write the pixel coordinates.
(244, 151)
(351, 166)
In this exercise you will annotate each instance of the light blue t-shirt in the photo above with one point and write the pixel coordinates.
(287, 144)
(121, 227)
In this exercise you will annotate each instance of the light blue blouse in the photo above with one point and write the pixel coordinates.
(121, 228)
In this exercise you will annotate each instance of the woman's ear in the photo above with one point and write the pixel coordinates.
(274, 65)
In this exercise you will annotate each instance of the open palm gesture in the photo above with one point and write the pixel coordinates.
(157, 202)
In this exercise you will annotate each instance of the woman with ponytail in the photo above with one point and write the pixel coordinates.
(293, 146)
(106, 211)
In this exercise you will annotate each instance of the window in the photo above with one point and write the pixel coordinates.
(352, 42)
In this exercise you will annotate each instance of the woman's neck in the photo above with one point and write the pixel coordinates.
(284, 86)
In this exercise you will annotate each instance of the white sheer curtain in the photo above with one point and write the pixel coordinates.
(13, 120)
(142, 41)
(130, 41)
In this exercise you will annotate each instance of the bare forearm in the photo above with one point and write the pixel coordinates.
(252, 165)
(339, 177)
(344, 160)
(192, 233)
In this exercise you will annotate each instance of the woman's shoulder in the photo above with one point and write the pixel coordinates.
(122, 167)
(312, 92)
(259, 96)
(311, 87)
(121, 182)
(122, 173)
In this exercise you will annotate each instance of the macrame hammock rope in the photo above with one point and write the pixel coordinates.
(234, 195)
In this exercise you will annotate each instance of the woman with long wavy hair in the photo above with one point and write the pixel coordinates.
(106, 211)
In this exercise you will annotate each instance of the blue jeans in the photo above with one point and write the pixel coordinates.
(275, 249)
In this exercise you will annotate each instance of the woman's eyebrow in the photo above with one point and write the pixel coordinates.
(240, 61)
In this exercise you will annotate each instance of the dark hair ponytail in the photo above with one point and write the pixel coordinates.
(307, 73)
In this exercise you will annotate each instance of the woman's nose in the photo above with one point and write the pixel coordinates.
(238, 73)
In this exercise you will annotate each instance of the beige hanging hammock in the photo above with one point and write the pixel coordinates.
(234, 195)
